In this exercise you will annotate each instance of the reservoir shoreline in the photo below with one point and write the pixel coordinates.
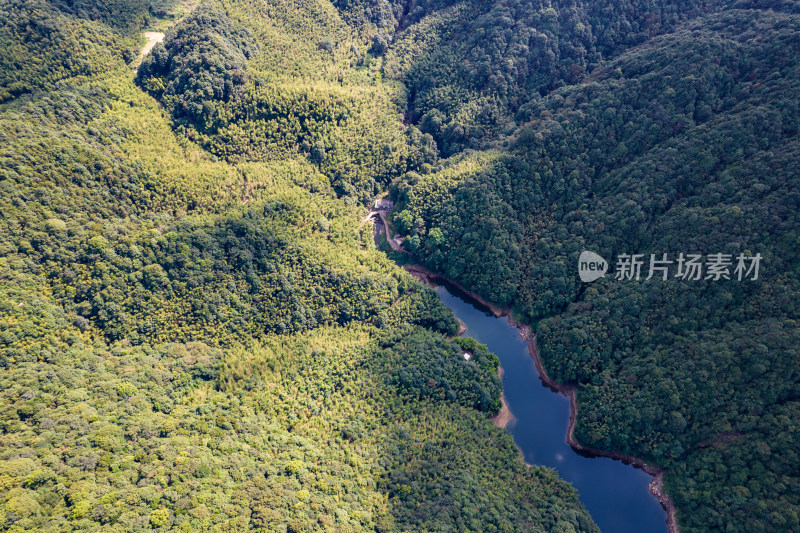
(505, 417)
(656, 485)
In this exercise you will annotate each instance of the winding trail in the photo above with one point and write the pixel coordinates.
(392, 243)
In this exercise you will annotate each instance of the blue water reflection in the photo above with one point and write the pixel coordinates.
(615, 494)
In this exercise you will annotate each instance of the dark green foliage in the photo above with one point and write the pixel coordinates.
(237, 272)
(127, 15)
(423, 307)
(430, 497)
(686, 144)
(470, 68)
(423, 366)
(389, 16)
(202, 64)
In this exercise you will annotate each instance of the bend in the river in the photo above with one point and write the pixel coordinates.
(615, 493)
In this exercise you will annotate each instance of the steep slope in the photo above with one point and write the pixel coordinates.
(198, 343)
(686, 143)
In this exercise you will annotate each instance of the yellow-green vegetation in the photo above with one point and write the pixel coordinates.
(163, 14)
(193, 334)
(239, 101)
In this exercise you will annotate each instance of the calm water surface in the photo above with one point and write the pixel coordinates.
(615, 494)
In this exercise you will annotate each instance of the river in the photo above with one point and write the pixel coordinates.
(615, 494)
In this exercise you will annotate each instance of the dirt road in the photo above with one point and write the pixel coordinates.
(153, 37)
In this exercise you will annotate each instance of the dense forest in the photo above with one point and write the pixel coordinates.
(195, 333)
(653, 130)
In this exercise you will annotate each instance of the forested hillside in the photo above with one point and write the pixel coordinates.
(197, 334)
(650, 130)
(194, 332)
